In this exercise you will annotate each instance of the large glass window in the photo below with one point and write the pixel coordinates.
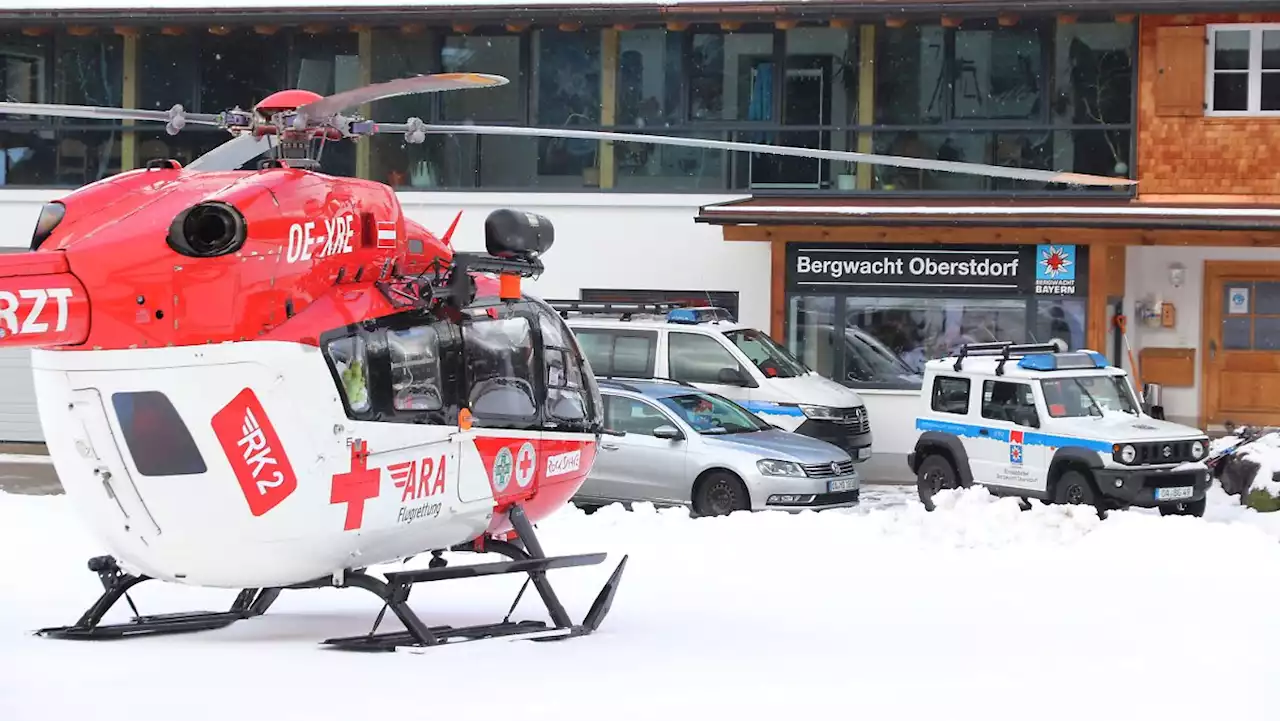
(919, 329)
(58, 67)
(566, 66)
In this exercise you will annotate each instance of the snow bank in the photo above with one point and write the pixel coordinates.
(975, 611)
(1265, 451)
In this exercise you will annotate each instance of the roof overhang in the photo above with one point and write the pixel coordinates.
(1031, 214)
(230, 11)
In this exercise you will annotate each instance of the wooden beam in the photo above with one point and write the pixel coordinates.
(778, 290)
(786, 24)
(126, 31)
(463, 28)
(129, 99)
(866, 100)
(1067, 18)
(841, 23)
(1007, 20)
(677, 25)
(364, 149)
(81, 31)
(1095, 336)
(219, 30)
(730, 25)
(950, 21)
(1124, 17)
(895, 22)
(265, 29)
(569, 27)
(609, 53)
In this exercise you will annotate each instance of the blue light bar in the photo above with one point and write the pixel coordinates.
(693, 316)
(1063, 361)
(687, 316)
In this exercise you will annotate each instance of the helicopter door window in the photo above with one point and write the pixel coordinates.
(350, 359)
(156, 437)
(500, 362)
(415, 369)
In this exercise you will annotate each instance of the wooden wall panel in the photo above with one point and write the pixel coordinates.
(1180, 151)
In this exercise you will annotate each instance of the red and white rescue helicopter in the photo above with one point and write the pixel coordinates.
(272, 379)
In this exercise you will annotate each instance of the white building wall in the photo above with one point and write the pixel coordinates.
(1147, 278)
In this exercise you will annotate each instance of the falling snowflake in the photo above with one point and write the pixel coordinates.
(1055, 261)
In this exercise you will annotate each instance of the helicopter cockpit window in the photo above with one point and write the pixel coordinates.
(415, 369)
(350, 359)
(500, 363)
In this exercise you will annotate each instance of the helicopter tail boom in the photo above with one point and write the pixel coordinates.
(42, 305)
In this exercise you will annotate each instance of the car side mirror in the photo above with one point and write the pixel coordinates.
(670, 433)
(733, 377)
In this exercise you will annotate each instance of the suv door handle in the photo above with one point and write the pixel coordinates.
(609, 446)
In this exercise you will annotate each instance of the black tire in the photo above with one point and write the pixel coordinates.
(719, 494)
(935, 474)
(1075, 488)
(1187, 508)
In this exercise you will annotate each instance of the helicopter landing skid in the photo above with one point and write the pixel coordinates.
(116, 584)
(528, 559)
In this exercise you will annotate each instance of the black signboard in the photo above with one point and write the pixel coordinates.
(963, 270)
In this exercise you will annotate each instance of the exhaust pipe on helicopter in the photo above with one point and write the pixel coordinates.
(42, 305)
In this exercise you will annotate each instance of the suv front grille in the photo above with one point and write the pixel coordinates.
(854, 420)
(1163, 452)
(825, 470)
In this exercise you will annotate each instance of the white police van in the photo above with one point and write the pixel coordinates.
(1063, 427)
(706, 348)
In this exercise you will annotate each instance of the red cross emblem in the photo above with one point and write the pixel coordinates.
(356, 486)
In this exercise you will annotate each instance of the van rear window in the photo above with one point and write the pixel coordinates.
(620, 354)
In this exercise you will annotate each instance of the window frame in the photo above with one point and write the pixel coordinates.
(722, 342)
(968, 394)
(1253, 71)
(609, 397)
(1035, 404)
(651, 363)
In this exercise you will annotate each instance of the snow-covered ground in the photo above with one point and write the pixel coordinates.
(976, 611)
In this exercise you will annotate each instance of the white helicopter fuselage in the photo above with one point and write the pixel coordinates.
(274, 487)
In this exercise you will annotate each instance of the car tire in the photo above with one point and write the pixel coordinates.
(1190, 508)
(935, 474)
(719, 494)
(1074, 488)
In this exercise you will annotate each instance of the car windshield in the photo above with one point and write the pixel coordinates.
(710, 414)
(773, 360)
(867, 360)
(1079, 396)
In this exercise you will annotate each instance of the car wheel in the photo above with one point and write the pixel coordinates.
(1075, 489)
(935, 474)
(1189, 508)
(720, 494)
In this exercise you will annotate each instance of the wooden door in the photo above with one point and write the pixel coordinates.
(1241, 343)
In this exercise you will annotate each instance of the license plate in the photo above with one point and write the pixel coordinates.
(1173, 494)
(847, 484)
(864, 453)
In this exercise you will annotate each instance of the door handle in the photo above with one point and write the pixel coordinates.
(1213, 349)
(609, 446)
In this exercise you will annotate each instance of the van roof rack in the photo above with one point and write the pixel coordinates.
(622, 382)
(625, 309)
(674, 312)
(1006, 350)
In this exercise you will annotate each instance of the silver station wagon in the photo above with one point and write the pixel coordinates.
(672, 444)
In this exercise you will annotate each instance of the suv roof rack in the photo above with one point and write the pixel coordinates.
(1007, 350)
(674, 312)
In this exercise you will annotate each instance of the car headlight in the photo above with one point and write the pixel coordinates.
(1128, 454)
(770, 467)
(1197, 450)
(820, 413)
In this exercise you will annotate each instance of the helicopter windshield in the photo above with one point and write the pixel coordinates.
(513, 365)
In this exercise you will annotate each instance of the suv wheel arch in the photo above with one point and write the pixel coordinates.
(949, 447)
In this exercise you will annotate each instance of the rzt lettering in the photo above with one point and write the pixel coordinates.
(255, 453)
(21, 312)
(307, 241)
(258, 453)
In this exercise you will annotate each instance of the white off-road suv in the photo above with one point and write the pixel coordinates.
(1030, 421)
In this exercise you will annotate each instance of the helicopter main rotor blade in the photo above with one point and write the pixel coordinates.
(232, 154)
(338, 102)
(95, 111)
(951, 166)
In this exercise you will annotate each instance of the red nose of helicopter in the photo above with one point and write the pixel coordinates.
(42, 305)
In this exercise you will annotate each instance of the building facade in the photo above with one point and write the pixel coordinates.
(905, 264)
